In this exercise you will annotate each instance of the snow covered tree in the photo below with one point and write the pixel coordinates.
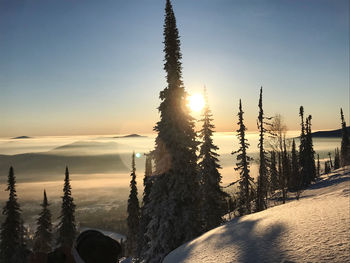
(336, 159)
(245, 188)
(67, 227)
(133, 214)
(262, 188)
(144, 216)
(213, 198)
(174, 205)
(43, 234)
(345, 142)
(273, 184)
(11, 240)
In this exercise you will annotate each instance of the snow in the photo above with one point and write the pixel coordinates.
(314, 229)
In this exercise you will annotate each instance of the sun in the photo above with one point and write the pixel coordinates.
(196, 102)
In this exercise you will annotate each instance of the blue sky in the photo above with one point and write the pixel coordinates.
(96, 67)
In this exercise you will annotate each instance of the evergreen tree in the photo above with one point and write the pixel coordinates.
(67, 227)
(43, 234)
(294, 178)
(11, 241)
(345, 142)
(318, 166)
(302, 150)
(273, 173)
(336, 159)
(261, 196)
(310, 153)
(144, 216)
(174, 204)
(133, 213)
(245, 194)
(306, 153)
(213, 198)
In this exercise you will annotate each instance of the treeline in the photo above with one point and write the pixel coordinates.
(47, 238)
(183, 197)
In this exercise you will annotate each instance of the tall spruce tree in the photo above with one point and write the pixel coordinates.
(133, 214)
(11, 243)
(245, 188)
(302, 150)
(67, 227)
(262, 188)
(174, 198)
(144, 216)
(43, 234)
(345, 142)
(310, 153)
(213, 201)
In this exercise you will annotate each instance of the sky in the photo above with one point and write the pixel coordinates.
(78, 67)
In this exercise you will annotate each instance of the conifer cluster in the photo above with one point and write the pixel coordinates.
(13, 233)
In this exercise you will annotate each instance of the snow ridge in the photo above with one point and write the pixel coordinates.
(314, 229)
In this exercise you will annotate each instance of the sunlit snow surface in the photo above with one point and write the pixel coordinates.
(314, 229)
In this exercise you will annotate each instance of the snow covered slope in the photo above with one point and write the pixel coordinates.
(314, 229)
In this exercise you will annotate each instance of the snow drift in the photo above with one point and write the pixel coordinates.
(314, 229)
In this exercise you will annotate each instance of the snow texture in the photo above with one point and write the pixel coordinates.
(314, 229)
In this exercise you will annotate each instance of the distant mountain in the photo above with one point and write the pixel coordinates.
(21, 137)
(84, 146)
(82, 157)
(329, 134)
(134, 135)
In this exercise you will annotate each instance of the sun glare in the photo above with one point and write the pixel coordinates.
(196, 102)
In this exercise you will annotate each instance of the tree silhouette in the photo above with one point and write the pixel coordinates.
(273, 184)
(310, 153)
(175, 189)
(245, 193)
(11, 240)
(67, 227)
(43, 234)
(302, 150)
(144, 215)
(262, 189)
(345, 142)
(294, 182)
(133, 213)
(213, 202)
(336, 159)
